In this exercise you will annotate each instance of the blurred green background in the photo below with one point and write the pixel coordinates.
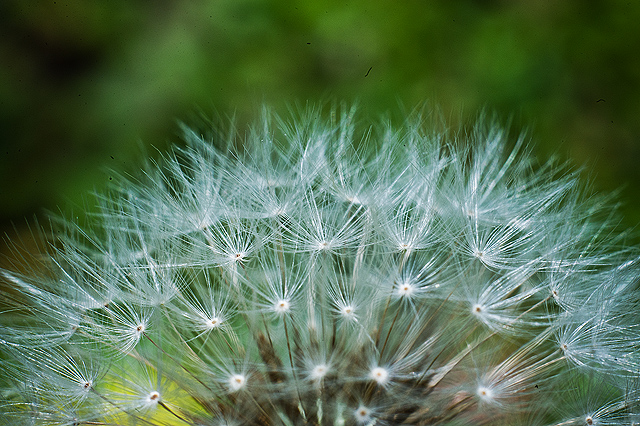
(84, 83)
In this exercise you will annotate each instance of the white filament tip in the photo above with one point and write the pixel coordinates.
(379, 375)
(237, 382)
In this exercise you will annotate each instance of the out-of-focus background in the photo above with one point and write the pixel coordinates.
(84, 83)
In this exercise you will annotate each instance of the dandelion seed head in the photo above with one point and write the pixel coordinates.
(405, 290)
(477, 309)
(318, 372)
(211, 323)
(379, 375)
(324, 245)
(362, 414)
(153, 397)
(237, 382)
(485, 393)
(348, 312)
(238, 257)
(379, 276)
(282, 306)
(139, 329)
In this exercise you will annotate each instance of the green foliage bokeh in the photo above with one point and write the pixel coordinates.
(84, 83)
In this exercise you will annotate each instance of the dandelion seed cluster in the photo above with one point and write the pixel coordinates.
(319, 277)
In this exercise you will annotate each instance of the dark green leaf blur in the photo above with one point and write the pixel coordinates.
(84, 84)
